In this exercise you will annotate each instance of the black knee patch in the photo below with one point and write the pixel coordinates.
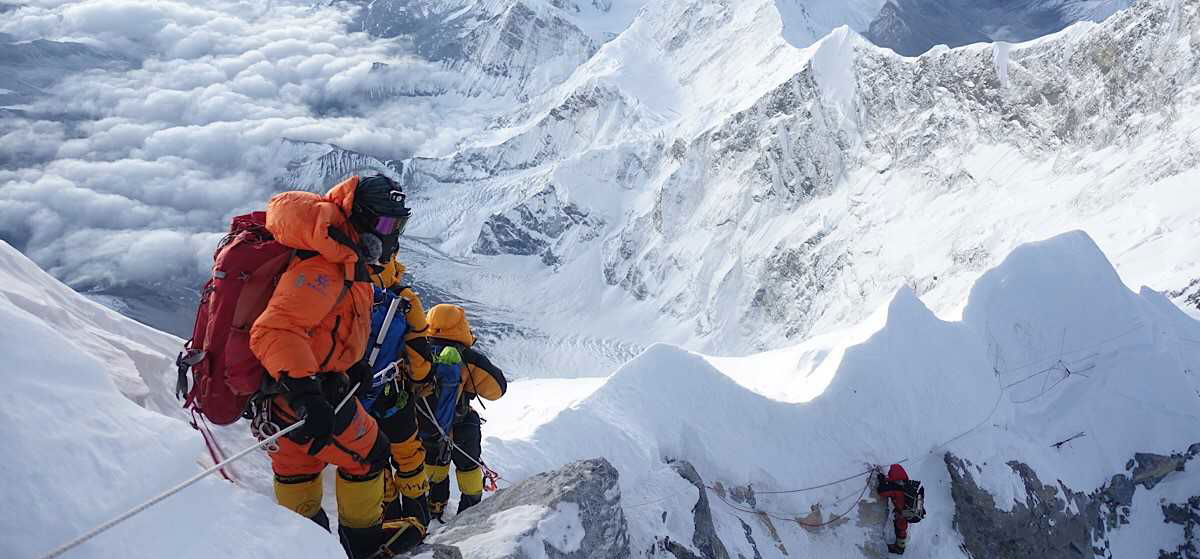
(291, 480)
(364, 477)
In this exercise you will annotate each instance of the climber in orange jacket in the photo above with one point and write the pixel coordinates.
(313, 330)
(451, 340)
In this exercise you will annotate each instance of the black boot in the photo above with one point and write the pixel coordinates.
(416, 507)
(381, 541)
(394, 509)
(439, 493)
(321, 519)
(467, 501)
(360, 543)
(896, 548)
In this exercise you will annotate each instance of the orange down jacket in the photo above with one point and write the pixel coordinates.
(318, 318)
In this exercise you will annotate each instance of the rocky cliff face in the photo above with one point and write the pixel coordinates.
(1052, 520)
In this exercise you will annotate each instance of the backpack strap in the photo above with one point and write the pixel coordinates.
(361, 272)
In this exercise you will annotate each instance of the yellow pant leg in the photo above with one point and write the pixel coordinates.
(409, 457)
(360, 500)
(299, 493)
(470, 482)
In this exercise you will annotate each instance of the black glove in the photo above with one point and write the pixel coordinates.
(304, 395)
(360, 373)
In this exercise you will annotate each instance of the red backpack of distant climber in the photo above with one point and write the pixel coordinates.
(225, 373)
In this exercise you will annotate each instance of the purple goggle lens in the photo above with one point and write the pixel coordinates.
(389, 225)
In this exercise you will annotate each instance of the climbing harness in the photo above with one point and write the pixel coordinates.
(58, 551)
(262, 426)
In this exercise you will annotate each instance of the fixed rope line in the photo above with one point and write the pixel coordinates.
(1062, 354)
(995, 406)
(814, 487)
(795, 518)
(58, 551)
(428, 413)
(835, 518)
(1059, 365)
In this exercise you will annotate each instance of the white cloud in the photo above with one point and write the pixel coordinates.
(130, 175)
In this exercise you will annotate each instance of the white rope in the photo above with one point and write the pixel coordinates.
(58, 551)
(428, 413)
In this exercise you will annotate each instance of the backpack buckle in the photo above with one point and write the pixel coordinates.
(184, 362)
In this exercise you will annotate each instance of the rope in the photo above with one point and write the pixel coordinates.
(794, 518)
(58, 551)
(165, 494)
(995, 406)
(1062, 354)
(823, 485)
(1060, 364)
(488, 473)
(835, 518)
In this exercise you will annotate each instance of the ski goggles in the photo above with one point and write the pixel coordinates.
(387, 226)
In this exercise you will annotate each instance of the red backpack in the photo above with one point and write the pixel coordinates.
(225, 373)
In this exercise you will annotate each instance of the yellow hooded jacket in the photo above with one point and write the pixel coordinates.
(415, 347)
(480, 377)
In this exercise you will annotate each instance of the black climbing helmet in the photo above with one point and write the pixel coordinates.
(379, 207)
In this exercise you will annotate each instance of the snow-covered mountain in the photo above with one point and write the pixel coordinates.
(1052, 344)
(744, 197)
(686, 453)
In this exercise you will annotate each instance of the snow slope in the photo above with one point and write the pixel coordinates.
(78, 449)
(132, 355)
(904, 385)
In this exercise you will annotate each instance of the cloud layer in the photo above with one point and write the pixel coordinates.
(128, 175)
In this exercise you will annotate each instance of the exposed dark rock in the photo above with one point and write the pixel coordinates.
(705, 536)
(534, 227)
(1189, 295)
(1152, 468)
(1056, 521)
(1187, 515)
(750, 538)
(1042, 526)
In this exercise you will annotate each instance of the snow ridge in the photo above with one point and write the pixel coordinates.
(911, 389)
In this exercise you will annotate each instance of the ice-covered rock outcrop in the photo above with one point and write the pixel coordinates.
(573, 512)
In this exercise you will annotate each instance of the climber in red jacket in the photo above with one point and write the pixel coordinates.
(893, 488)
